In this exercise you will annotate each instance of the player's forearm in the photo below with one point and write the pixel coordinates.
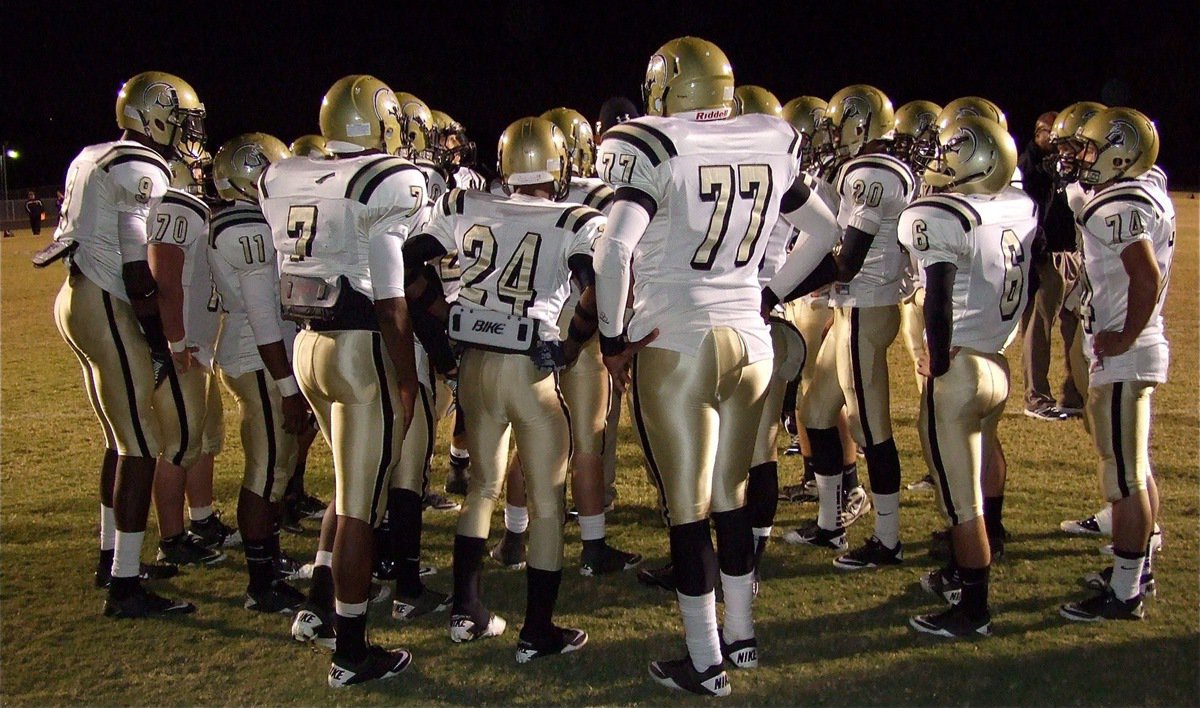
(275, 358)
(614, 250)
(1143, 295)
(583, 321)
(396, 330)
(143, 297)
(853, 253)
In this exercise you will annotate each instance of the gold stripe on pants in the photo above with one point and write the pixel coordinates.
(1120, 420)
(104, 334)
(697, 417)
(417, 450)
(270, 452)
(505, 395)
(350, 383)
(960, 411)
(179, 403)
(789, 349)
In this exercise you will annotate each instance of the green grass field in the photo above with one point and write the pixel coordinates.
(825, 637)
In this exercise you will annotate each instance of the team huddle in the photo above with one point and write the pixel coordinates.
(733, 265)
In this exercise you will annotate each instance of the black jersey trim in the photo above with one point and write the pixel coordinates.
(881, 163)
(640, 142)
(1128, 196)
(961, 209)
(188, 201)
(637, 196)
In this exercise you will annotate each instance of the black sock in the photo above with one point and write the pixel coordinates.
(320, 593)
(172, 540)
(993, 515)
(693, 557)
(810, 470)
(541, 595)
(975, 590)
(735, 541)
(762, 494)
(404, 538)
(468, 556)
(592, 550)
(850, 478)
(351, 637)
(104, 563)
(883, 467)
(259, 563)
(826, 450)
(121, 588)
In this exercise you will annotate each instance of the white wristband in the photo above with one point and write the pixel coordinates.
(287, 386)
(177, 347)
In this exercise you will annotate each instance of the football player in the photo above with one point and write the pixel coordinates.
(339, 226)
(451, 147)
(1127, 228)
(309, 146)
(699, 347)
(254, 354)
(517, 256)
(873, 187)
(108, 312)
(972, 238)
(755, 99)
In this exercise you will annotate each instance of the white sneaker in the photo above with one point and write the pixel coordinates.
(1098, 524)
(464, 629)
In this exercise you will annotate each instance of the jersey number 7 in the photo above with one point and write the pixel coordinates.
(754, 185)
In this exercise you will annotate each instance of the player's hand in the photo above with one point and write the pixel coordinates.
(1108, 344)
(924, 368)
(408, 402)
(618, 364)
(184, 361)
(295, 414)
(571, 349)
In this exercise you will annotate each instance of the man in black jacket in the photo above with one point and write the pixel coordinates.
(33, 207)
(1056, 271)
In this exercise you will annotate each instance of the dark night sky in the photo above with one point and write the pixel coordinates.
(265, 68)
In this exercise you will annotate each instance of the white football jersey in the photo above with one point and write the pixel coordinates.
(103, 181)
(467, 178)
(514, 251)
(989, 238)
(241, 251)
(1115, 217)
(323, 213)
(717, 187)
(591, 192)
(873, 190)
(181, 219)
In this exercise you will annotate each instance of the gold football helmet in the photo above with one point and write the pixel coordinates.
(916, 125)
(1116, 143)
(309, 146)
(185, 177)
(855, 116)
(534, 151)
(755, 99)
(805, 114)
(970, 106)
(1072, 118)
(975, 156)
(581, 141)
(449, 145)
(362, 110)
(1061, 161)
(416, 121)
(689, 74)
(164, 108)
(241, 161)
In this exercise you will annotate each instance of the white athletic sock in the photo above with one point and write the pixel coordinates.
(700, 629)
(739, 616)
(887, 518)
(459, 452)
(1127, 576)
(128, 556)
(591, 528)
(829, 494)
(762, 532)
(108, 528)
(516, 518)
(200, 513)
(323, 559)
(1104, 520)
(1148, 564)
(350, 609)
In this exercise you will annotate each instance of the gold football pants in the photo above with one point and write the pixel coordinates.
(811, 319)
(212, 439)
(417, 450)
(912, 329)
(851, 370)
(179, 407)
(960, 411)
(105, 336)
(697, 418)
(269, 451)
(505, 395)
(1119, 414)
(350, 383)
(790, 355)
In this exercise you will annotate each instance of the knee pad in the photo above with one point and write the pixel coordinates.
(693, 557)
(762, 494)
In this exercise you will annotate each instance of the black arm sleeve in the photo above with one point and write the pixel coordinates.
(853, 252)
(580, 265)
(939, 314)
(418, 251)
(796, 196)
(824, 274)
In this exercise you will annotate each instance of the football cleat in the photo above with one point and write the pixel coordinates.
(405, 608)
(814, 535)
(314, 625)
(188, 550)
(567, 641)
(943, 583)
(439, 502)
(952, 622)
(279, 598)
(378, 593)
(144, 603)
(793, 447)
(924, 484)
(379, 663)
(743, 653)
(214, 533)
(510, 551)
(1104, 606)
(608, 560)
(146, 571)
(309, 507)
(681, 675)
(458, 476)
(1048, 411)
(1085, 527)
(1099, 581)
(804, 492)
(871, 554)
(855, 505)
(288, 568)
(663, 577)
(465, 629)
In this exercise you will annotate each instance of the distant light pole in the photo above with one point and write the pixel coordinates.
(7, 153)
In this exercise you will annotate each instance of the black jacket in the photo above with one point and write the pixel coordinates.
(1054, 216)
